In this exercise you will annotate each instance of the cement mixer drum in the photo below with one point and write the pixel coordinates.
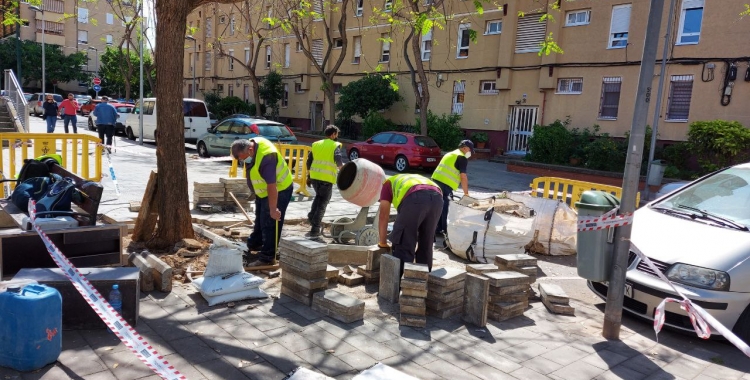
(360, 182)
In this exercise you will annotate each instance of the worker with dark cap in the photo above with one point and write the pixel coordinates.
(450, 172)
(418, 201)
(323, 162)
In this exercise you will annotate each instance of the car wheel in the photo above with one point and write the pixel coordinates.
(742, 326)
(130, 134)
(202, 150)
(92, 127)
(402, 164)
(353, 154)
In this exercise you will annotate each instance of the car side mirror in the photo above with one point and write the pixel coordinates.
(369, 141)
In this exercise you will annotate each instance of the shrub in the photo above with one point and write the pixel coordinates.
(678, 158)
(444, 129)
(552, 144)
(232, 105)
(479, 137)
(368, 94)
(212, 100)
(375, 123)
(605, 153)
(718, 143)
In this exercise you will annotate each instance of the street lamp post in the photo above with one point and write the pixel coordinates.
(195, 53)
(96, 65)
(40, 10)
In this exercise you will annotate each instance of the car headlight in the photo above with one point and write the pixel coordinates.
(699, 277)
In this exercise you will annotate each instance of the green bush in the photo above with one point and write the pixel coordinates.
(375, 123)
(444, 129)
(551, 144)
(605, 153)
(212, 100)
(232, 105)
(678, 158)
(479, 137)
(718, 143)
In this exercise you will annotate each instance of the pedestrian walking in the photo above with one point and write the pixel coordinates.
(69, 108)
(106, 117)
(418, 201)
(448, 175)
(269, 177)
(50, 112)
(323, 164)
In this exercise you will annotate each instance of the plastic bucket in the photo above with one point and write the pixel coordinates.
(360, 182)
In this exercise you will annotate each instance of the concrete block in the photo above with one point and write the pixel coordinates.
(515, 259)
(370, 276)
(446, 277)
(162, 273)
(352, 279)
(414, 292)
(301, 289)
(134, 206)
(309, 284)
(445, 297)
(342, 254)
(332, 272)
(495, 316)
(299, 297)
(286, 268)
(413, 310)
(504, 290)
(339, 306)
(145, 269)
(373, 257)
(558, 308)
(303, 266)
(515, 297)
(411, 301)
(412, 320)
(481, 268)
(416, 271)
(284, 253)
(411, 283)
(302, 245)
(437, 305)
(445, 313)
(553, 293)
(505, 308)
(506, 278)
(390, 267)
(530, 271)
(233, 181)
(432, 288)
(476, 297)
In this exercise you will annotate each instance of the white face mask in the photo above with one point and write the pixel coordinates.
(249, 160)
(467, 154)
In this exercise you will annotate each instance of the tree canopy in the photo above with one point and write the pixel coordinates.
(374, 92)
(272, 91)
(114, 68)
(60, 67)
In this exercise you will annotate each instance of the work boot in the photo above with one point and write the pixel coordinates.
(314, 232)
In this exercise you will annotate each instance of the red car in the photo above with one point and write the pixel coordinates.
(402, 150)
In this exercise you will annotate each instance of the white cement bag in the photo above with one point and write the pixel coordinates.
(223, 260)
(253, 293)
(228, 283)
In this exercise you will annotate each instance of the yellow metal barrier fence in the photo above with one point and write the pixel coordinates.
(75, 149)
(569, 190)
(296, 159)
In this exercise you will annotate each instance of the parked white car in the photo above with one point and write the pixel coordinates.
(699, 238)
(195, 112)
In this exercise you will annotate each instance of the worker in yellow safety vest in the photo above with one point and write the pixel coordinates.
(418, 201)
(269, 177)
(450, 172)
(323, 164)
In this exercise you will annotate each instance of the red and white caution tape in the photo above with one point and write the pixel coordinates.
(702, 321)
(112, 171)
(608, 220)
(134, 341)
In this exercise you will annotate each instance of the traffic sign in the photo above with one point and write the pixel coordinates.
(97, 81)
(97, 88)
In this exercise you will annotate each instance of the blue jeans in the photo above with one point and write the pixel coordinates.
(68, 119)
(51, 120)
(264, 229)
(442, 225)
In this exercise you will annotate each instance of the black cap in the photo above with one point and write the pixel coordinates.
(468, 144)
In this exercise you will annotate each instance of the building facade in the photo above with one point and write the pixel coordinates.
(500, 82)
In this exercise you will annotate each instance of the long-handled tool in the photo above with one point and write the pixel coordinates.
(241, 208)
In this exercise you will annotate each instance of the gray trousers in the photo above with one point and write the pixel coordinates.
(414, 229)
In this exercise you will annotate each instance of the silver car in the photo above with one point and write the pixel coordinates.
(698, 236)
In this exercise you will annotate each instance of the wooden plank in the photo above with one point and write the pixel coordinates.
(145, 223)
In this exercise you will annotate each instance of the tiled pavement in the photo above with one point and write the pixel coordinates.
(266, 339)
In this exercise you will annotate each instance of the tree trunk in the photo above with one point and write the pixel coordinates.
(256, 94)
(172, 190)
(424, 99)
(330, 96)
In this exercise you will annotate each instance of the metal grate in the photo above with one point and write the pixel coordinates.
(662, 266)
(680, 94)
(631, 258)
(610, 100)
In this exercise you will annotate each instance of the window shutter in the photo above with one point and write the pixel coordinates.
(357, 46)
(688, 4)
(287, 54)
(530, 33)
(427, 36)
(620, 19)
(318, 8)
(110, 18)
(317, 51)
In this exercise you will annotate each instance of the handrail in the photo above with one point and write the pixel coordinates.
(14, 92)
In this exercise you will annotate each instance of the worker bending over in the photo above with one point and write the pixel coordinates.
(449, 173)
(268, 176)
(418, 201)
(323, 164)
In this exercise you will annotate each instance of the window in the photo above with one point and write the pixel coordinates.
(190, 62)
(337, 88)
(230, 90)
(338, 43)
(493, 27)
(148, 108)
(247, 56)
(462, 50)
(222, 19)
(690, 22)
(209, 27)
(317, 51)
(83, 37)
(576, 18)
(269, 14)
(569, 86)
(285, 98)
(382, 138)
(399, 139)
(231, 26)
(299, 46)
(357, 49)
(360, 8)
(680, 92)
(427, 46)
(298, 88)
(109, 39)
(388, 5)
(385, 55)
(488, 87)
(268, 57)
(459, 90)
(287, 55)
(110, 18)
(416, 106)
(618, 29)
(530, 33)
(83, 15)
(246, 93)
(610, 102)
(220, 88)
(224, 127)
(128, 19)
(231, 59)
(207, 66)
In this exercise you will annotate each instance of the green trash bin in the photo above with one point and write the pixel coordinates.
(595, 251)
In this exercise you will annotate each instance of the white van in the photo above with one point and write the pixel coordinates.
(197, 121)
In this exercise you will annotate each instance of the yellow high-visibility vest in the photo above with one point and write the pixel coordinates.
(283, 175)
(446, 171)
(401, 183)
(324, 166)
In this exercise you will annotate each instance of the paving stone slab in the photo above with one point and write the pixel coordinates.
(390, 267)
(414, 292)
(475, 299)
(303, 266)
(553, 293)
(311, 275)
(507, 278)
(381, 371)
(332, 272)
(445, 297)
(446, 277)
(481, 268)
(412, 320)
(508, 307)
(515, 297)
(436, 305)
(299, 297)
(558, 308)
(530, 271)
(416, 271)
(413, 310)
(339, 306)
(504, 290)
(302, 373)
(445, 313)
(411, 301)
(435, 288)
(284, 254)
(415, 284)
(495, 316)
(343, 254)
(373, 257)
(352, 279)
(312, 284)
(304, 246)
(515, 259)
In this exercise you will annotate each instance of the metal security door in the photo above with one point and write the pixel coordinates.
(522, 121)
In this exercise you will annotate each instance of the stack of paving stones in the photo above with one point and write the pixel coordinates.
(339, 306)
(555, 299)
(413, 295)
(208, 193)
(508, 294)
(371, 269)
(304, 266)
(349, 276)
(445, 292)
(521, 263)
(238, 187)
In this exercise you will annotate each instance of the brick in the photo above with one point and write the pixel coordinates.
(411, 283)
(307, 275)
(446, 277)
(412, 320)
(233, 181)
(390, 267)
(339, 306)
(146, 271)
(302, 245)
(413, 310)
(351, 279)
(504, 308)
(475, 300)
(553, 293)
(436, 305)
(162, 273)
(342, 254)
(303, 266)
(530, 271)
(414, 293)
(307, 284)
(515, 259)
(558, 308)
(515, 297)
(481, 268)
(437, 289)
(134, 206)
(416, 271)
(373, 257)
(500, 279)
(332, 272)
(411, 301)
(445, 313)
(302, 298)
(369, 275)
(300, 289)
(504, 290)
(284, 254)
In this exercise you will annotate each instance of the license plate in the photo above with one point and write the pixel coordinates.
(628, 289)
(430, 160)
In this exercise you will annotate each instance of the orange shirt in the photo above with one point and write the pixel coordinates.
(70, 107)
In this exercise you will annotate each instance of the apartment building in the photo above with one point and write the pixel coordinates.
(76, 25)
(500, 83)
